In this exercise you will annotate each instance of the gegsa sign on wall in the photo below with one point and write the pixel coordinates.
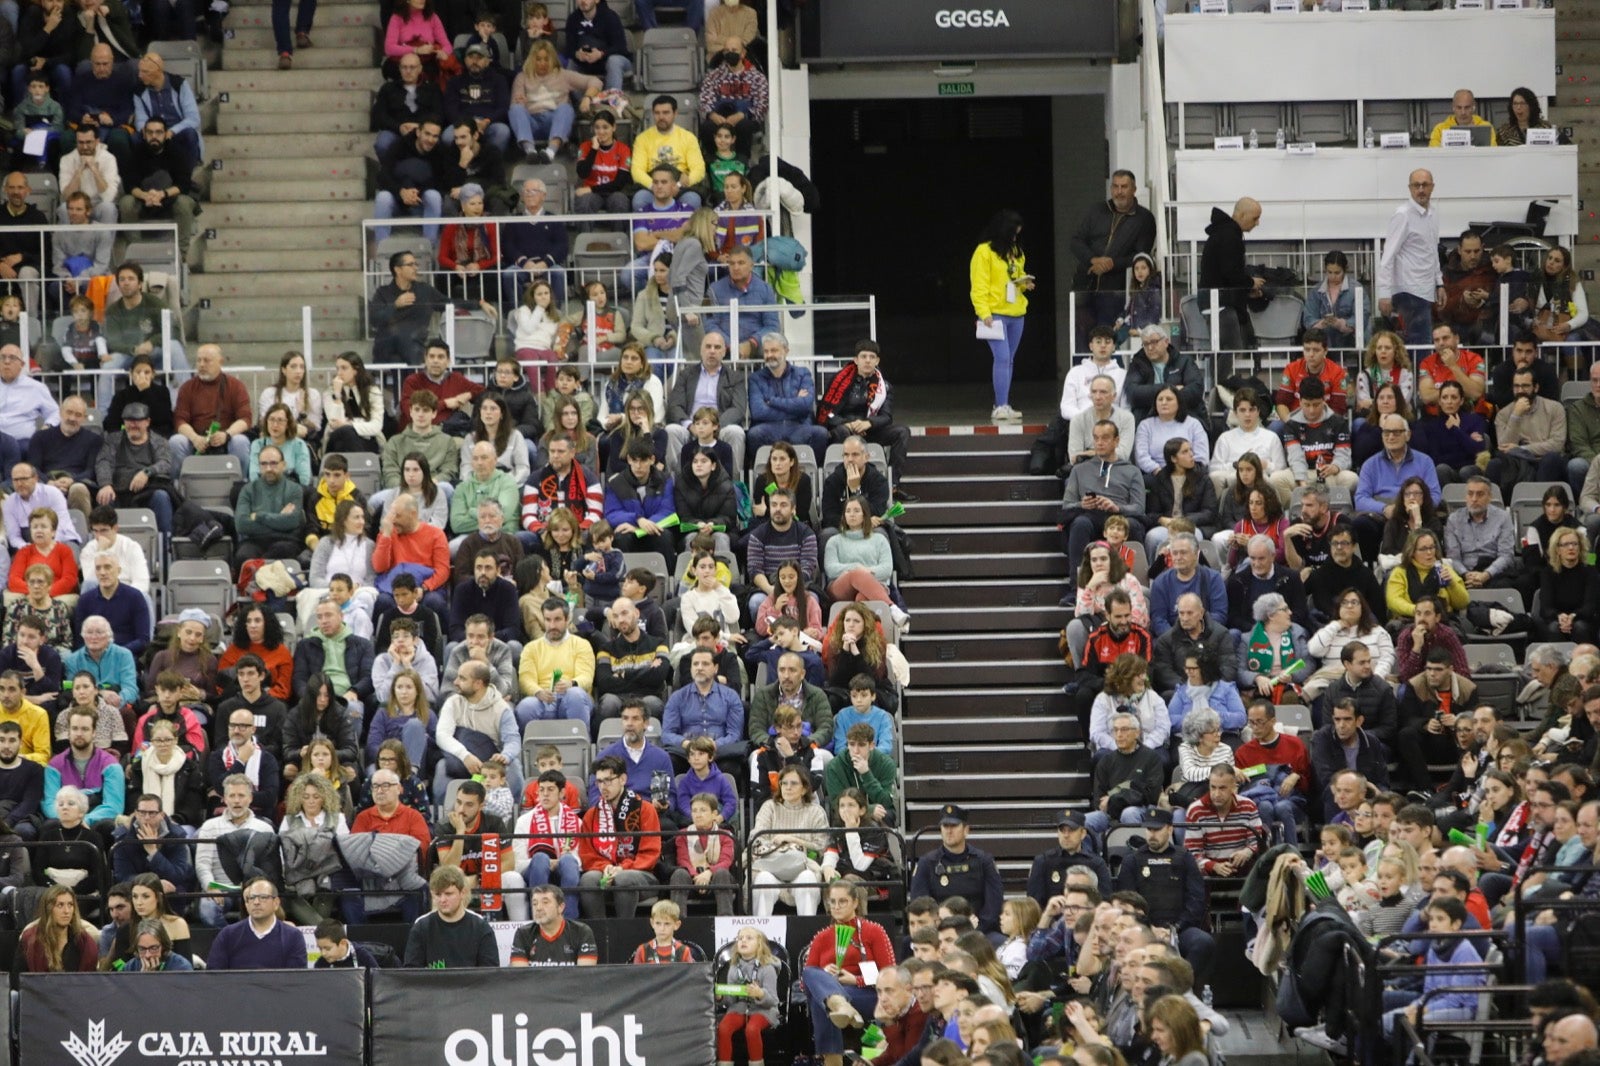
(246, 1018)
(567, 1016)
(845, 30)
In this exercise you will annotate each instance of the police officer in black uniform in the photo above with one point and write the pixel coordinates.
(954, 869)
(1167, 876)
(1047, 876)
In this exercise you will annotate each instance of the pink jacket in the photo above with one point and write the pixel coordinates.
(408, 31)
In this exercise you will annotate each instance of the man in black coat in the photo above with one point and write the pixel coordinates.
(1110, 234)
(1222, 267)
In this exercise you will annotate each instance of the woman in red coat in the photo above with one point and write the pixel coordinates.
(57, 942)
(839, 997)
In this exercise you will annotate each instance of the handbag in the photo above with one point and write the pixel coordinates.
(1550, 324)
(783, 253)
(785, 864)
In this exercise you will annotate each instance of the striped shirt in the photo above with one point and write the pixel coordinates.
(1211, 837)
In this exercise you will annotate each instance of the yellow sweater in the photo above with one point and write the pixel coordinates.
(677, 146)
(35, 723)
(574, 657)
(990, 275)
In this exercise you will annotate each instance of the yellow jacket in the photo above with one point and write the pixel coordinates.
(990, 274)
(574, 657)
(1397, 592)
(677, 146)
(35, 723)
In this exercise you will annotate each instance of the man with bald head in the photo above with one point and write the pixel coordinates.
(1567, 1038)
(1410, 280)
(1194, 632)
(270, 511)
(1463, 116)
(102, 101)
(406, 544)
(212, 413)
(1222, 267)
(631, 663)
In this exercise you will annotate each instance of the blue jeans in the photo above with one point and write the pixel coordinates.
(545, 126)
(388, 205)
(613, 70)
(280, 23)
(1099, 822)
(1417, 314)
(573, 705)
(822, 986)
(182, 448)
(566, 870)
(1004, 351)
(694, 12)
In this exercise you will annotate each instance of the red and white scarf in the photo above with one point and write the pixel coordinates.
(543, 830)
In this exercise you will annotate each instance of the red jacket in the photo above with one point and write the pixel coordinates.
(406, 820)
(426, 546)
(646, 845)
(454, 384)
(869, 937)
(1289, 750)
(902, 1034)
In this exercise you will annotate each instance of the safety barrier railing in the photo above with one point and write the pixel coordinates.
(892, 836)
(46, 293)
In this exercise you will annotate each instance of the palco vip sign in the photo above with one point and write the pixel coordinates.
(566, 1016)
(846, 30)
(245, 1018)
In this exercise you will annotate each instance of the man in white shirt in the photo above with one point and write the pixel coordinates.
(237, 792)
(1102, 360)
(91, 170)
(28, 494)
(105, 537)
(1410, 281)
(24, 403)
(1249, 436)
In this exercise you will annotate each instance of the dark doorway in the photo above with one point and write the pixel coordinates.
(906, 186)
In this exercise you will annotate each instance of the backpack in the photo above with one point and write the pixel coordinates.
(782, 253)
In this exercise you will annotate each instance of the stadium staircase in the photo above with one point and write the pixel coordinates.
(1578, 106)
(289, 190)
(986, 724)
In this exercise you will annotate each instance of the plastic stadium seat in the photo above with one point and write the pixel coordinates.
(671, 59)
(1324, 122)
(364, 470)
(571, 738)
(1202, 124)
(209, 480)
(203, 583)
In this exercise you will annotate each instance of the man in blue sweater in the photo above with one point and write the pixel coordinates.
(783, 402)
(642, 758)
(260, 941)
(1185, 575)
(123, 607)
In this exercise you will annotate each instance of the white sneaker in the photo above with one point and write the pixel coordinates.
(1005, 413)
(901, 618)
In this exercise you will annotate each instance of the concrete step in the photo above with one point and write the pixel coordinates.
(248, 37)
(1034, 532)
(925, 816)
(289, 262)
(1044, 702)
(355, 79)
(283, 215)
(1020, 567)
(290, 170)
(312, 59)
(325, 328)
(1054, 786)
(1040, 670)
(996, 464)
(299, 101)
(978, 518)
(225, 190)
(271, 146)
(928, 443)
(293, 288)
(257, 13)
(977, 488)
(1014, 842)
(977, 644)
(289, 124)
(267, 353)
(261, 239)
(278, 309)
(1584, 26)
(970, 758)
(923, 595)
(960, 623)
(1577, 52)
(1013, 730)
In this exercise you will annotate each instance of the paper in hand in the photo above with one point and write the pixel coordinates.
(986, 332)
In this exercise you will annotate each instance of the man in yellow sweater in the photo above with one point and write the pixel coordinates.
(33, 719)
(667, 142)
(556, 673)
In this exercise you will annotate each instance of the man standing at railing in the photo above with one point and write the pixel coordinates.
(24, 403)
(1409, 279)
(1109, 236)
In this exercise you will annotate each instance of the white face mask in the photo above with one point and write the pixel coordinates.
(730, 3)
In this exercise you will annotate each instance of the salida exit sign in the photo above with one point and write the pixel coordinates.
(957, 88)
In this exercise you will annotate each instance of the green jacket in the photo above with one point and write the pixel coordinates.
(442, 451)
(814, 709)
(501, 487)
(878, 782)
(1583, 428)
(258, 514)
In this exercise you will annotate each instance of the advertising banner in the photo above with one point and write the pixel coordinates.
(286, 1018)
(843, 30)
(559, 1016)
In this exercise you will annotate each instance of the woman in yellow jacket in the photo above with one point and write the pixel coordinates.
(1423, 572)
(1000, 282)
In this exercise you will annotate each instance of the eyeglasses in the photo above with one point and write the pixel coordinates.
(260, 897)
(604, 780)
(385, 784)
(149, 949)
(1393, 432)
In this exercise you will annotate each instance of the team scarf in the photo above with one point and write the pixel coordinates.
(542, 829)
(612, 847)
(839, 388)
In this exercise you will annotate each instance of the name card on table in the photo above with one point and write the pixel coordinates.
(1355, 5)
(1228, 144)
(1470, 5)
(1213, 7)
(1460, 137)
(1394, 140)
(1508, 5)
(1301, 148)
(1284, 7)
(1545, 136)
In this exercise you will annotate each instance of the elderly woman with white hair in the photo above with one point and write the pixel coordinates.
(1273, 658)
(1200, 749)
(69, 850)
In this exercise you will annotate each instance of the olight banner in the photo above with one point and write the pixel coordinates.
(555, 1016)
(285, 1018)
